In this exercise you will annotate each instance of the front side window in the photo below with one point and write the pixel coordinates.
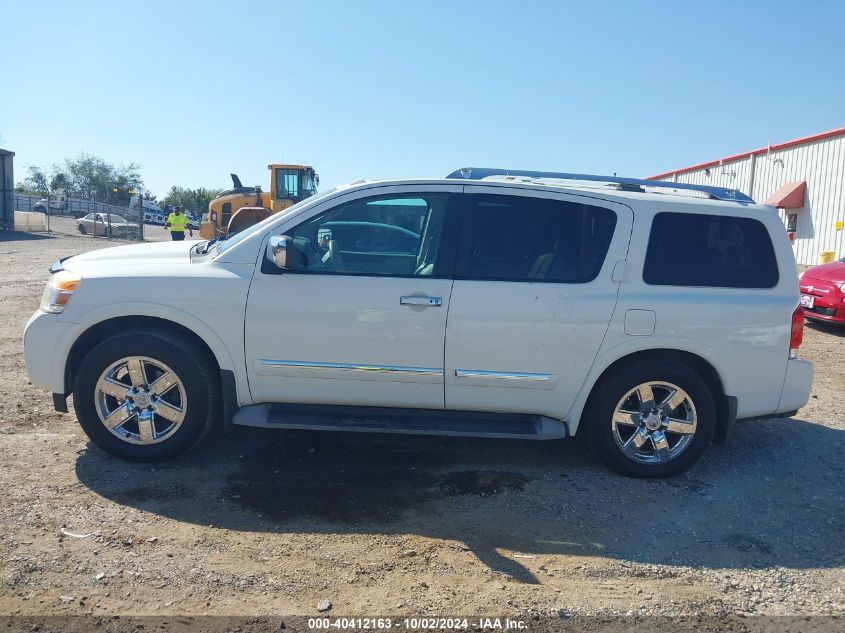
(309, 183)
(387, 235)
(520, 238)
(693, 249)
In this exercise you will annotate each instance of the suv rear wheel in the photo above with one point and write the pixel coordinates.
(145, 395)
(651, 419)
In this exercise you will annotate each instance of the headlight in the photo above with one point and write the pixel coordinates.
(59, 290)
(842, 288)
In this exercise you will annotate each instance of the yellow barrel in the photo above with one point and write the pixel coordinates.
(825, 257)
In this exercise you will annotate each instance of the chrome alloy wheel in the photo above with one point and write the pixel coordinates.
(654, 422)
(140, 400)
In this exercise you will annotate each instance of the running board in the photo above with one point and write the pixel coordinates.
(403, 421)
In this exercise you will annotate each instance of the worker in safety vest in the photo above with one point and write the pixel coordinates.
(176, 223)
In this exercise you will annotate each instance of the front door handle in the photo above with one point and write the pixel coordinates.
(407, 300)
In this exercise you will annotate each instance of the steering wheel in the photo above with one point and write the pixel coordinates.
(334, 259)
(329, 259)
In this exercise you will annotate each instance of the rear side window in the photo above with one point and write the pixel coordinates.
(517, 238)
(687, 249)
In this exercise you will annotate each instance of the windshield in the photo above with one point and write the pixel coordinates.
(116, 218)
(224, 244)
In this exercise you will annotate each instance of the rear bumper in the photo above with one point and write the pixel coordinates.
(796, 386)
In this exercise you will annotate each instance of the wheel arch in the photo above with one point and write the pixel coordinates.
(725, 409)
(100, 330)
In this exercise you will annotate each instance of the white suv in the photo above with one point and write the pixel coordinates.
(502, 304)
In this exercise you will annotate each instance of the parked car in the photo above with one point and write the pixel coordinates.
(823, 292)
(649, 322)
(106, 224)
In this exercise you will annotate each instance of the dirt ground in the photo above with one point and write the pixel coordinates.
(261, 522)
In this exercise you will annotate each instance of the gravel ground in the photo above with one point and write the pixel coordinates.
(263, 522)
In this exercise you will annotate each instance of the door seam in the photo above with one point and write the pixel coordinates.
(446, 337)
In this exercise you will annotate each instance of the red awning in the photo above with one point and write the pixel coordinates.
(790, 196)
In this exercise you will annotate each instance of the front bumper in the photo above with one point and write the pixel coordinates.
(46, 344)
(828, 300)
(796, 386)
(829, 312)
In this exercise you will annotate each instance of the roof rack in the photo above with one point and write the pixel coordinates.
(628, 184)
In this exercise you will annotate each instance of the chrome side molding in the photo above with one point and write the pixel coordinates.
(353, 367)
(503, 375)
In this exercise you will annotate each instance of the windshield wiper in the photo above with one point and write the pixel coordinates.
(210, 243)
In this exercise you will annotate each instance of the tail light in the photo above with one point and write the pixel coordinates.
(797, 334)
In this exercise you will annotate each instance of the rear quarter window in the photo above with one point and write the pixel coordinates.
(691, 249)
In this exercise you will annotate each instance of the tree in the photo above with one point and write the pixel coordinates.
(41, 180)
(87, 177)
(23, 188)
(195, 200)
(59, 181)
(92, 178)
(37, 180)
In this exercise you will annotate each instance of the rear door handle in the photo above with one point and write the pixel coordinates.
(433, 302)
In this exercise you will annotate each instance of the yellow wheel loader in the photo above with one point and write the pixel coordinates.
(240, 207)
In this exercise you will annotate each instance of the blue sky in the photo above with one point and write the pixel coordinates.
(368, 89)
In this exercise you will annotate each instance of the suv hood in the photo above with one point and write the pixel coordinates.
(149, 253)
(834, 271)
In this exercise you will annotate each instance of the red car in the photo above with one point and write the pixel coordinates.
(823, 292)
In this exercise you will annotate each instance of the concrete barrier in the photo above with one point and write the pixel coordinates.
(31, 221)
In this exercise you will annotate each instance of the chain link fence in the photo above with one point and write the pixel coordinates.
(96, 220)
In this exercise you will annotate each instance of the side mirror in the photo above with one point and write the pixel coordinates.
(283, 254)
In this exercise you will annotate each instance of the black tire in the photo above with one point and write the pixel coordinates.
(194, 368)
(613, 387)
(82, 229)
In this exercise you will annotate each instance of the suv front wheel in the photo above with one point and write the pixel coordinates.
(145, 395)
(652, 418)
